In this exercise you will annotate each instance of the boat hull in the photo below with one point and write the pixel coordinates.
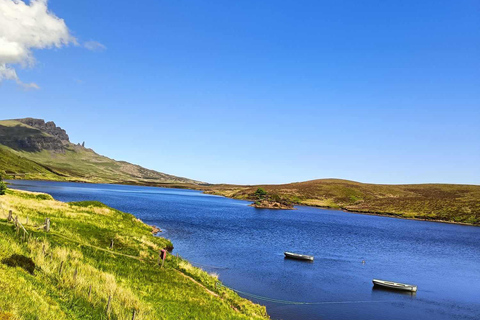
(296, 256)
(394, 285)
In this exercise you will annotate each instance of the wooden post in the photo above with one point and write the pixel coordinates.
(161, 256)
(75, 275)
(47, 224)
(89, 292)
(108, 305)
(111, 244)
(16, 224)
(61, 267)
(134, 314)
(10, 216)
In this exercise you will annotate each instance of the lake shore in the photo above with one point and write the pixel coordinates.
(210, 189)
(89, 257)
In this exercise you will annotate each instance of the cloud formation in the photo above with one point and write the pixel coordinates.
(24, 27)
(94, 46)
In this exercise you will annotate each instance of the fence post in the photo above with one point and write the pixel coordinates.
(108, 305)
(89, 292)
(75, 276)
(47, 224)
(10, 216)
(16, 224)
(111, 244)
(161, 256)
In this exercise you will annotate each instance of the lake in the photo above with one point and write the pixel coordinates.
(245, 246)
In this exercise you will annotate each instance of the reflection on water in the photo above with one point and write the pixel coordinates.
(245, 247)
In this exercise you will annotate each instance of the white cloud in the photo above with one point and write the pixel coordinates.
(94, 46)
(24, 27)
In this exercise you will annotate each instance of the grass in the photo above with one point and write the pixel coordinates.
(442, 202)
(49, 275)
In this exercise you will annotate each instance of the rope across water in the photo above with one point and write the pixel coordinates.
(279, 301)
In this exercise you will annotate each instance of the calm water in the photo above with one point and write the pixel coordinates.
(245, 247)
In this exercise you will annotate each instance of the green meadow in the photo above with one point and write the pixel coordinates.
(73, 272)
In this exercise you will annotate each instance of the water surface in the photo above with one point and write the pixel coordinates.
(245, 246)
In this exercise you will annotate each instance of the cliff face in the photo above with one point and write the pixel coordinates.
(34, 136)
(48, 127)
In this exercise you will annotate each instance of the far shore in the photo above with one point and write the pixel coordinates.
(199, 188)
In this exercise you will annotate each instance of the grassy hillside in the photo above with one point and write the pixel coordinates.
(10, 161)
(71, 273)
(444, 202)
(25, 149)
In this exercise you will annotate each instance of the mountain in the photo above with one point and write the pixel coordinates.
(35, 149)
(439, 202)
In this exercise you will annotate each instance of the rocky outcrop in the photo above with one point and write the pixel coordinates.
(265, 204)
(48, 127)
(35, 136)
(37, 143)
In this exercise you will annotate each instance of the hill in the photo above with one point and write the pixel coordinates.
(35, 149)
(441, 202)
(73, 271)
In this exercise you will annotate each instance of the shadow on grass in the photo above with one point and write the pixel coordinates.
(17, 260)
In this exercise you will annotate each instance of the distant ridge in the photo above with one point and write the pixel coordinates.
(34, 149)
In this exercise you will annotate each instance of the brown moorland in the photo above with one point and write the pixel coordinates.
(437, 202)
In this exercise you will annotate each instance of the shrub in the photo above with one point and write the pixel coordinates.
(260, 193)
(3, 188)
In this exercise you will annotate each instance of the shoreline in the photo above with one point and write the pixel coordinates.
(80, 249)
(173, 186)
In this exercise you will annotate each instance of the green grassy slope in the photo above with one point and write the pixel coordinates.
(444, 202)
(10, 161)
(71, 273)
(23, 149)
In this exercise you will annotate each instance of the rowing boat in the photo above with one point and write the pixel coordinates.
(298, 256)
(394, 285)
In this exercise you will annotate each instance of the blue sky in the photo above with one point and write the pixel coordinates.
(267, 91)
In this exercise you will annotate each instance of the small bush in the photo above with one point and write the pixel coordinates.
(3, 188)
(260, 193)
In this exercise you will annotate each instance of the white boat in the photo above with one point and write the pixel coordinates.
(395, 285)
(297, 256)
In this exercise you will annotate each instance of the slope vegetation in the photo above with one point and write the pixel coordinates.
(73, 272)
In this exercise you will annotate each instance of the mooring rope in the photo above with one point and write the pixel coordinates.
(279, 301)
(206, 265)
